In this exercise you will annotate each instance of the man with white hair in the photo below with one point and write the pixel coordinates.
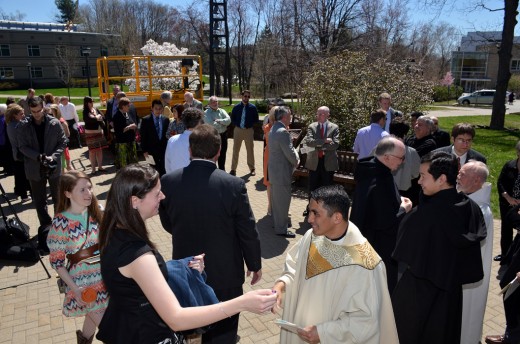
(220, 120)
(166, 98)
(189, 101)
(322, 161)
(471, 181)
(283, 158)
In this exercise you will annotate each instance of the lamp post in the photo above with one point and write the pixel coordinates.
(86, 52)
(30, 74)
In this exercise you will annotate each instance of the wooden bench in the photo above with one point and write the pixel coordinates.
(344, 175)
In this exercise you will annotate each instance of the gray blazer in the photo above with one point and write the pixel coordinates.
(54, 143)
(283, 158)
(313, 139)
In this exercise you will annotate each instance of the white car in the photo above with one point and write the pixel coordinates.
(478, 97)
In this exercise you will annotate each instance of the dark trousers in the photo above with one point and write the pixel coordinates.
(506, 229)
(21, 184)
(224, 331)
(159, 163)
(223, 150)
(320, 177)
(74, 139)
(39, 197)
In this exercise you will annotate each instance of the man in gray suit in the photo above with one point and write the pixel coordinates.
(283, 158)
(42, 142)
(321, 162)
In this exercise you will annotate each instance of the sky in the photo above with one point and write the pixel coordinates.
(459, 13)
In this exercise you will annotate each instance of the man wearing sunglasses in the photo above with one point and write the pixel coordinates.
(42, 142)
(377, 207)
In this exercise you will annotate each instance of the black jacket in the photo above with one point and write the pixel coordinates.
(207, 211)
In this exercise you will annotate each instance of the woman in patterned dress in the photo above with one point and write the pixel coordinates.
(75, 228)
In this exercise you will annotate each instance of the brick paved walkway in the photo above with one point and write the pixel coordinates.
(30, 305)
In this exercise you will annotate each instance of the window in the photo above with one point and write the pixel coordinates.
(60, 51)
(6, 73)
(85, 51)
(103, 51)
(36, 72)
(5, 50)
(515, 65)
(33, 50)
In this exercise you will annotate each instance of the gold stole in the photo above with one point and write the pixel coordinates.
(324, 255)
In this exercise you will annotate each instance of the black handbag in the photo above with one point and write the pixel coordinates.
(18, 230)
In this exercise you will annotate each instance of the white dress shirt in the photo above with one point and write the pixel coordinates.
(69, 112)
(177, 152)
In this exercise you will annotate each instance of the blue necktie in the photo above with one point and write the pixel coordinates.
(158, 126)
(243, 119)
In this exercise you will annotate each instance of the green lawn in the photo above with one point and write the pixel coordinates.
(74, 92)
(498, 146)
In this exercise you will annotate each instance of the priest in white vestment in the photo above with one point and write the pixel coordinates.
(334, 283)
(472, 181)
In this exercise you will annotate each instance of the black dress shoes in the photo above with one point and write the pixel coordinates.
(288, 234)
(498, 258)
(233, 172)
(306, 212)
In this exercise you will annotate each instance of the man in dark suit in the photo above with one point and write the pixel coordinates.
(207, 211)
(283, 158)
(153, 135)
(377, 208)
(321, 162)
(462, 135)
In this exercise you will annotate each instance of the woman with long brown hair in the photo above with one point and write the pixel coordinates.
(73, 245)
(143, 309)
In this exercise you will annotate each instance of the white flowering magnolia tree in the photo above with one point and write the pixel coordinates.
(350, 83)
(169, 68)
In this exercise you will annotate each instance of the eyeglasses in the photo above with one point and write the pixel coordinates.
(461, 140)
(398, 157)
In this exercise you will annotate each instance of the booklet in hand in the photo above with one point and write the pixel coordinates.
(288, 326)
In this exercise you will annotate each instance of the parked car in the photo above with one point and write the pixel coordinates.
(477, 97)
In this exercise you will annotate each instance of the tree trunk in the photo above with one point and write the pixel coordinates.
(504, 60)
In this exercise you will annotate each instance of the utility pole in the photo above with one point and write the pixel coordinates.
(219, 45)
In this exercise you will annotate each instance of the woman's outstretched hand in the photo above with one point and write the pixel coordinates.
(259, 301)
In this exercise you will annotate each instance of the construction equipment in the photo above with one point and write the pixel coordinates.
(144, 78)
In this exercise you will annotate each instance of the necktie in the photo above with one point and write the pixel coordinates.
(158, 126)
(458, 161)
(388, 121)
(322, 134)
(243, 119)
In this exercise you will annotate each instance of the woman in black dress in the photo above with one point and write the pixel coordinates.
(143, 308)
